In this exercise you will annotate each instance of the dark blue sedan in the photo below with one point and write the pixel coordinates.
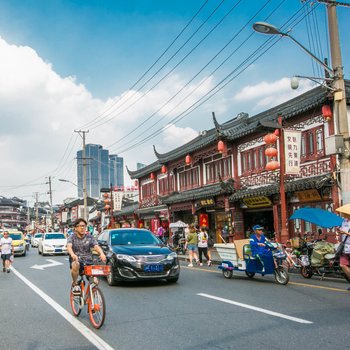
(136, 254)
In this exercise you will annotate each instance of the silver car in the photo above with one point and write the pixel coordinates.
(35, 239)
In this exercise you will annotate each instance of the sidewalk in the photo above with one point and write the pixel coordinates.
(215, 258)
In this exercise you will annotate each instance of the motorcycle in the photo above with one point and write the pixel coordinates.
(322, 264)
(179, 242)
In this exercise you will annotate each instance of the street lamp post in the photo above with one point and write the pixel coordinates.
(341, 120)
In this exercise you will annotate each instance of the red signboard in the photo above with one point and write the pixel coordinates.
(203, 220)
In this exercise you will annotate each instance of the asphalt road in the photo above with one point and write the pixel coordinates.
(202, 311)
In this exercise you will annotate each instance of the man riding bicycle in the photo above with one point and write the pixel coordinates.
(79, 246)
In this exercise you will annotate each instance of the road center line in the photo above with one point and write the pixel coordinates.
(258, 309)
(80, 327)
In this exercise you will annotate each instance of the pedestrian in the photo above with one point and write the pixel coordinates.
(210, 244)
(191, 245)
(203, 246)
(7, 250)
(160, 233)
(344, 260)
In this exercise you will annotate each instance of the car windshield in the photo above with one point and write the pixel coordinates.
(130, 237)
(55, 236)
(38, 235)
(15, 236)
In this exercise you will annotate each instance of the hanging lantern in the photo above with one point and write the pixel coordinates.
(105, 195)
(106, 201)
(327, 112)
(136, 183)
(164, 169)
(277, 132)
(272, 165)
(107, 207)
(270, 139)
(271, 152)
(221, 146)
(188, 159)
(152, 176)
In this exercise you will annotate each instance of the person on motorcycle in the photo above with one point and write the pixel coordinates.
(258, 247)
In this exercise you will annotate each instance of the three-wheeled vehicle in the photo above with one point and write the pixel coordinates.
(237, 256)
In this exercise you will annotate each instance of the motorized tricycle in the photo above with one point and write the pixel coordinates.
(237, 256)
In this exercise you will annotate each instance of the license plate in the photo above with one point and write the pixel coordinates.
(153, 268)
(58, 250)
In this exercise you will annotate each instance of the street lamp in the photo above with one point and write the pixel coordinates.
(336, 77)
(64, 180)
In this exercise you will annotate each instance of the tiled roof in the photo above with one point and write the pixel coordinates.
(291, 186)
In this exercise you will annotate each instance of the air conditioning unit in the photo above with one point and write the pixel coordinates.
(334, 144)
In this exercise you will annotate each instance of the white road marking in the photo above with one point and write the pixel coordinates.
(42, 267)
(80, 327)
(258, 309)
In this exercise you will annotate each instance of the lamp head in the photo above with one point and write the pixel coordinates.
(266, 28)
(294, 83)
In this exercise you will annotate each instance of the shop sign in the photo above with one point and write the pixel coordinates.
(308, 195)
(256, 202)
(203, 220)
(117, 200)
(292, 145)
(206, 202)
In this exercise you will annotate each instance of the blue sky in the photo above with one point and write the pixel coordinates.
(64, 63)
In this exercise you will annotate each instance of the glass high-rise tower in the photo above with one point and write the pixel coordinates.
(102, 170)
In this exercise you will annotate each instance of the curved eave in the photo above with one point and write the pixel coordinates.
(290, 186)
(196, 144)
(145, 171)
(195, 194)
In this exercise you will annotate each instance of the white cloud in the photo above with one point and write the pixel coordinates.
(39, 111)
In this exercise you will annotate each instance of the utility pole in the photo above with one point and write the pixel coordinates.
(82, 134)
(341, 119)
(50, 193)
(36, 211)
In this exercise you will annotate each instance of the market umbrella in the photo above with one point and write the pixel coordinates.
(178, 224)
(318, 217)
(345, 209)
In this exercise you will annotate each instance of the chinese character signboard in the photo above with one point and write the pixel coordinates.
(256, 202)
(117, 200)
(308, 195)
(292, 145)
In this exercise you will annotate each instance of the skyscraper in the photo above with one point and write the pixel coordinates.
(116, 170)
(102, 170)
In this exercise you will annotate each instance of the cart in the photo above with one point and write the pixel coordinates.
(237, 256)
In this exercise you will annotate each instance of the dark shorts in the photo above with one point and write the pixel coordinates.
(81, 267)
(5, 256)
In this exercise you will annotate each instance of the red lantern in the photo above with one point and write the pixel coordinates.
(277, 132)
(107, 207)
(164, 169)
(105, 195)
(270, 139)
(106, 201)
(272, 165)
(327, 112)
(136, 183)
(221, 146)
(152, 176)
(188, 159)
(271, 152)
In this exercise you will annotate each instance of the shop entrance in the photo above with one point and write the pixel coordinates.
(263, 217)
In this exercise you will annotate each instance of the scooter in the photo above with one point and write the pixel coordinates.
(179, 242)
(330, 264)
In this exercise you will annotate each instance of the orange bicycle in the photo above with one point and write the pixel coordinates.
(91, 295)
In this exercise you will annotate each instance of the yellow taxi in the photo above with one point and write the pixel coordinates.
(18, 242)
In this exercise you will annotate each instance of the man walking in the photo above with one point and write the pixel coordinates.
(7, 250)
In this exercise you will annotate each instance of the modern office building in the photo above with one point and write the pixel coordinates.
(102, 170)
(116, 170)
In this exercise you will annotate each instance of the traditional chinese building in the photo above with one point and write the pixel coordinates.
(220, 178)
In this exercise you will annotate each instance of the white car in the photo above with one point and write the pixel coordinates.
(35, 239)
(53, 243)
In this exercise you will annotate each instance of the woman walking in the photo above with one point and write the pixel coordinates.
(191, 245)
(203, 246)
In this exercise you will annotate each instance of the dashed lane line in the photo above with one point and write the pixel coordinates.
(255, 308)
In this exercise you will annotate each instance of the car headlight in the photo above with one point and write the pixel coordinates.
(129, 258)
(171, 256)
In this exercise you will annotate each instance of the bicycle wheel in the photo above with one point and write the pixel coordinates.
(97, 312)
(75, 304)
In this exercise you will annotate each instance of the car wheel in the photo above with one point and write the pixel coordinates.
(111, 277)
(24, 253)
(172, 280)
